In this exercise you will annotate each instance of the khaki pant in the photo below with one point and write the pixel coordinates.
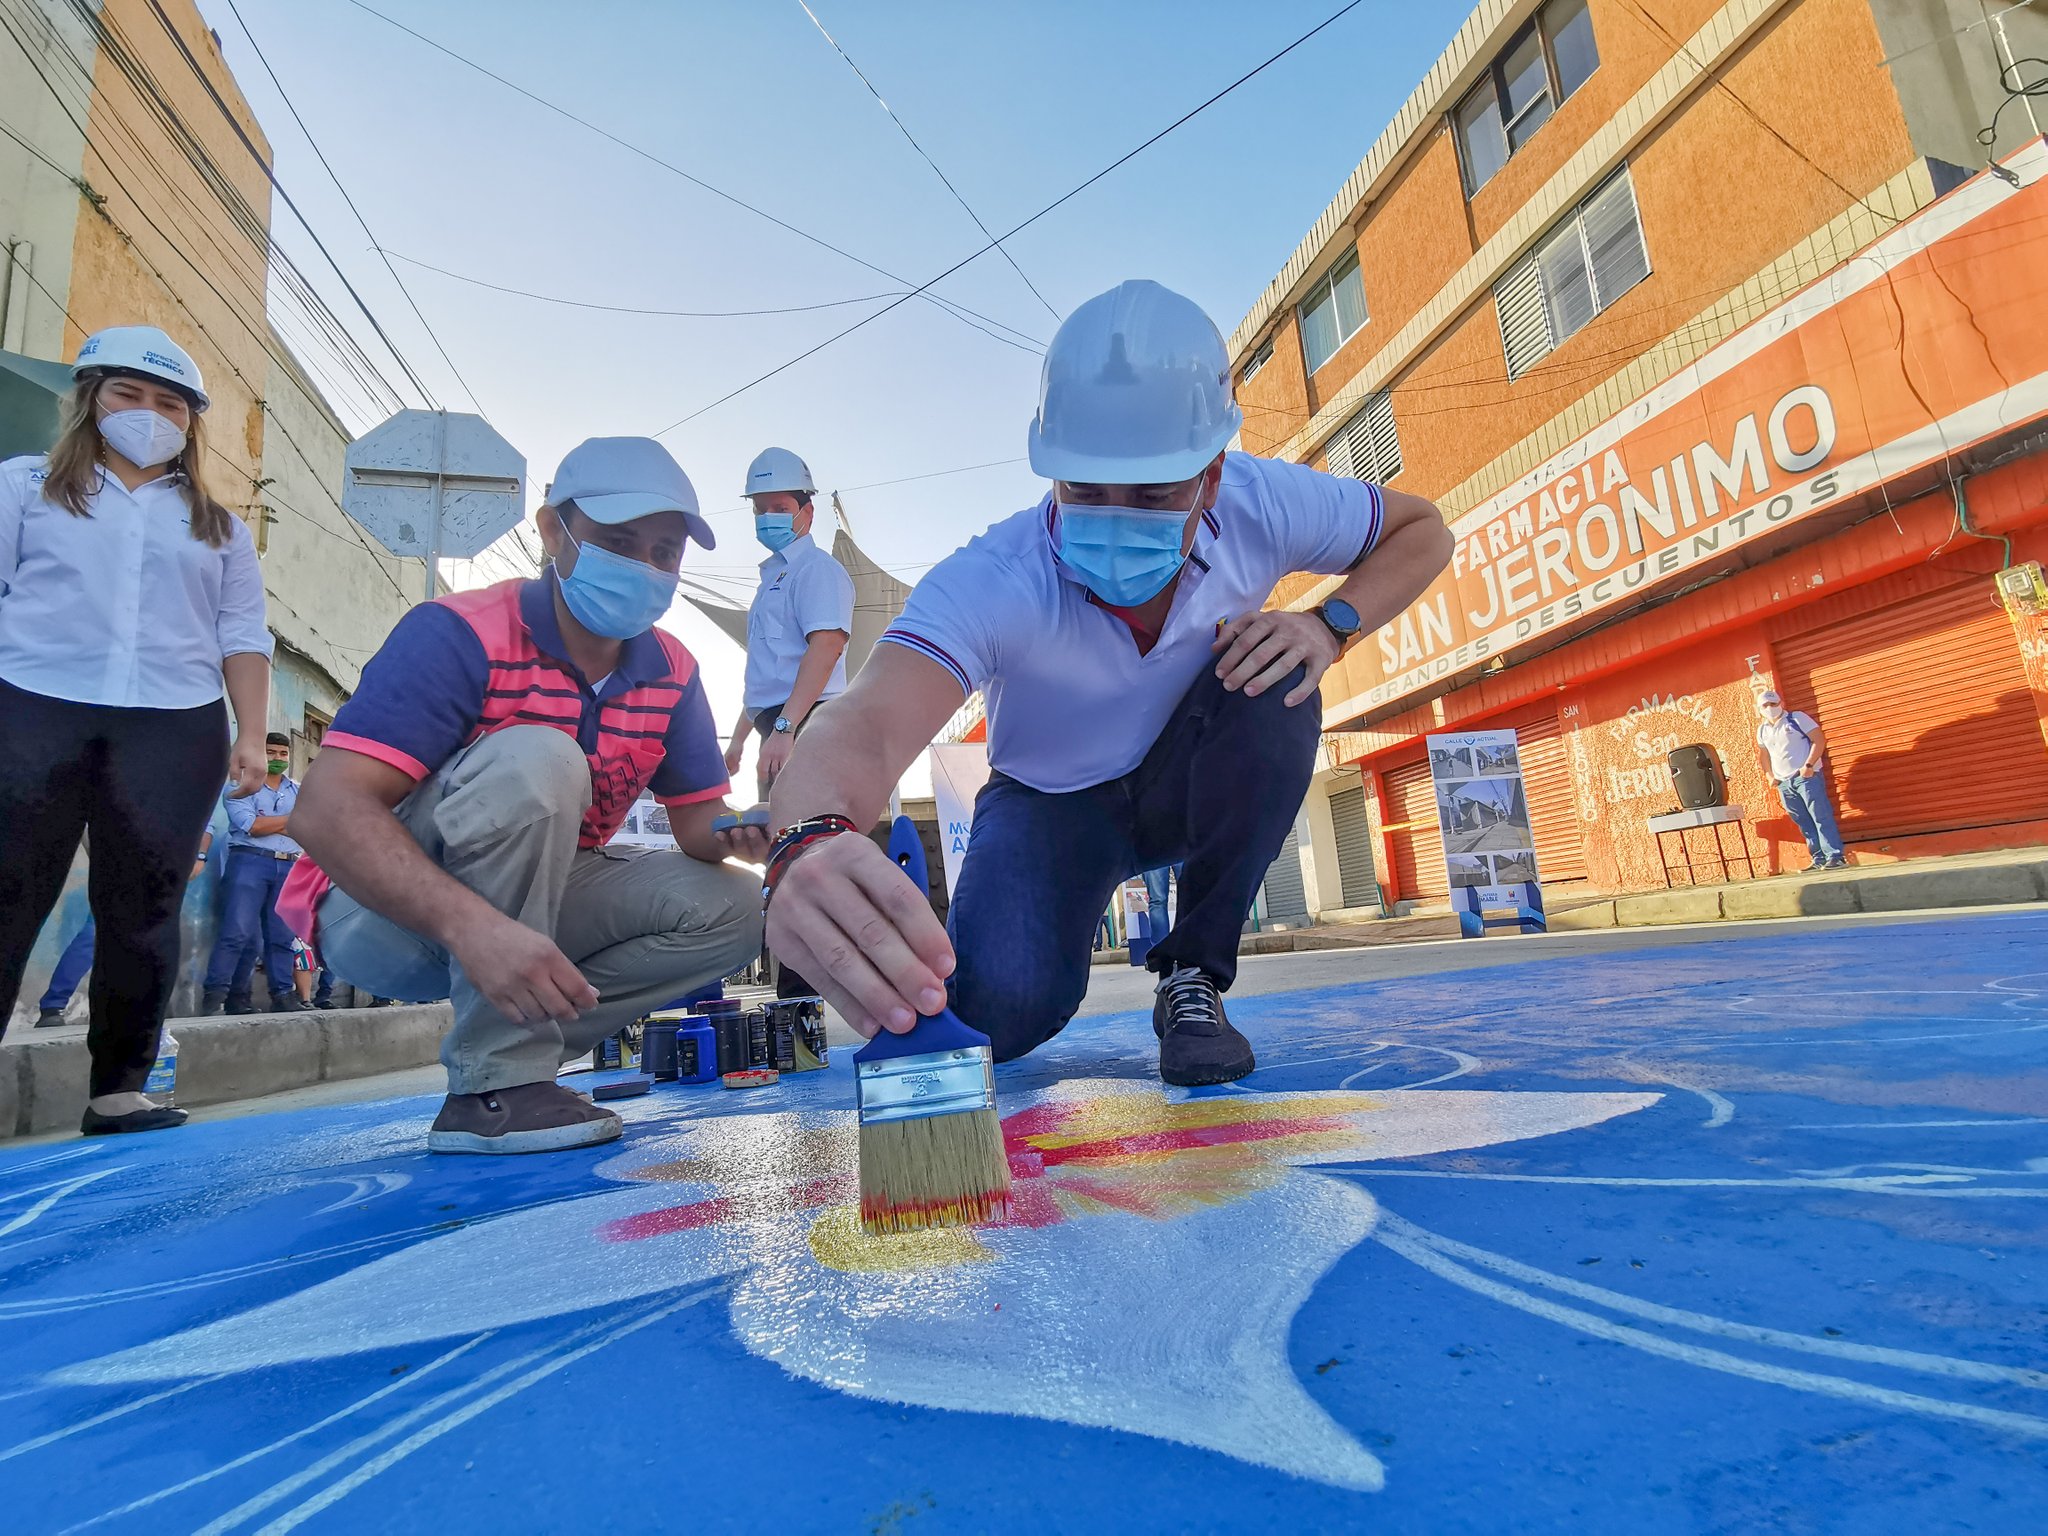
(644, 925)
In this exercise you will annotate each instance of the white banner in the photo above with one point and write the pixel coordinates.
(958, 772)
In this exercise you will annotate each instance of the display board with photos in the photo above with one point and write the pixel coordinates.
(1482, 810)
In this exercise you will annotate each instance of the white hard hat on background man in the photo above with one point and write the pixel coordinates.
(777, 469)
(145, 350)
(1136, 391)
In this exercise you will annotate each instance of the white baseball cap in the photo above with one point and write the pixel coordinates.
(1769, 696)
(615, 480)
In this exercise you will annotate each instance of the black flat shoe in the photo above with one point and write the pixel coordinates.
(158, 1117)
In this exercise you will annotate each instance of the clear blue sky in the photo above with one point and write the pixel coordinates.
(1017, 103)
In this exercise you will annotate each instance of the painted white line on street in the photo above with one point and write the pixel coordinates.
(100, 1418)
(1726, 1328)
(409, 1379)
(291, 1519)
(1710, 1359)
(58, 1191)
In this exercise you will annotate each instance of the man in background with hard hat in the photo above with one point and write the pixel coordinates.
(797, 631)
(1143, 709)
(800, 621)
(456, 820)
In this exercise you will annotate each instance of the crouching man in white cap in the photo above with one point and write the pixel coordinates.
(1142, 709)
(455, 821)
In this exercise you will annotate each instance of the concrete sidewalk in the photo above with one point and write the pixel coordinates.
(43, 1072)
(1970, 880)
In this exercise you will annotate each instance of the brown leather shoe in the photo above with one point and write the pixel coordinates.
(533, 1117)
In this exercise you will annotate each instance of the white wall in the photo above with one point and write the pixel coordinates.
(38, 204)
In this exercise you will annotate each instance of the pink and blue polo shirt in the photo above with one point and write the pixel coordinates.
(465, 665)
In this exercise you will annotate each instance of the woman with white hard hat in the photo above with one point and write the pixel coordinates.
(130, 602)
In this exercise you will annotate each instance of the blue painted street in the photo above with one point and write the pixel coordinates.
(1734, 1235)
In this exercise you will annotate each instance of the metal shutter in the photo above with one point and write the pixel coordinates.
(1286, 902)
(1524, 324)
(1418, 844)
(1367, 447)
(1354, 848)
(1547, 782)
(1931, 725)
(1614, 239)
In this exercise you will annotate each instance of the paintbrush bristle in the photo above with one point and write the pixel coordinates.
(933, 1171)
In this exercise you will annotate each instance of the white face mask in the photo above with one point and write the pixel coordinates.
(142, 437)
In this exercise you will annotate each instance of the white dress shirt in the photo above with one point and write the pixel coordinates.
(124, 606)
(803, 590)
(1072, 702)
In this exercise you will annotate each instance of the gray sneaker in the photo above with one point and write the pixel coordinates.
(533, 1117)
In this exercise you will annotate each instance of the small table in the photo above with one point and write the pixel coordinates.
(1683, 822)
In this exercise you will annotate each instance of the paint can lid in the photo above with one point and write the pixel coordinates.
(751, 1077)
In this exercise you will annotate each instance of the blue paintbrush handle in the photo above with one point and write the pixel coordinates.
(941, 1031)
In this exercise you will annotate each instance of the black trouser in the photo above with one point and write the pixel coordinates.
(1220, 789)
(143, 781)
(787, 982)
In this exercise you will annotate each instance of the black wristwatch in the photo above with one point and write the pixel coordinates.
(1340, 619)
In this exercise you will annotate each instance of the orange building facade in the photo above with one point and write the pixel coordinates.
(1724, 349)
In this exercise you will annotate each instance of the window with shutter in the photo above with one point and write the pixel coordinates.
(1577, 270)
(1367, 447)
(1259, 358)
(1524, 324)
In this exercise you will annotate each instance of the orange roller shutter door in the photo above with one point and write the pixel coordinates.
(1929, 721)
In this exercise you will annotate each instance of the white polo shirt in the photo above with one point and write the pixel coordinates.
(123, 607)
(1788, 741)
(803, 590)
(1071, 702)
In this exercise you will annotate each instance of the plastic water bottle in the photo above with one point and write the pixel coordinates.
(162, 1084)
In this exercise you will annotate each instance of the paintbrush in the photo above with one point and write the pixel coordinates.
(931, 1145)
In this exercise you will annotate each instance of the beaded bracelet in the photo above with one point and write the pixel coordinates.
(793, 840)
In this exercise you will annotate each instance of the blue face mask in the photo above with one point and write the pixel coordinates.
(1124, 555)
(775, 530)
(615, 597)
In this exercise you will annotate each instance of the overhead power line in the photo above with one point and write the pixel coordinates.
(321, 155)
(959, 312)
(630, 309)
(945, 180)
(1062, 199)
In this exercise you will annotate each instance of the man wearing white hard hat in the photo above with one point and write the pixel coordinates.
(130, 603)
(800, 620)
(456, 819)
(1143, 708)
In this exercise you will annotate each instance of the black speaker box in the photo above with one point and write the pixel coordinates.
(1696, 775)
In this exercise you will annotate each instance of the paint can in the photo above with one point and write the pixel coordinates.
(696, 1052)
(796, 1034)
(729, 1034)
(758, 1051)
(658, 1045)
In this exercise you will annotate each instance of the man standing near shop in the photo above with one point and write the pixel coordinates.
(463, 800)
(1143, 706)
(260, 855)
(797, 631)
(1792, 749)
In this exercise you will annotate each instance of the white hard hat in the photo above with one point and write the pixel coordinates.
(1136, 391)
(615, 480)
(777, 469)
(146, 350)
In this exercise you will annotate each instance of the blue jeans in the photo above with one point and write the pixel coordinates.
(1813, 813)
(71, 968)
(249, 926)
(1219, 789)
(1155, 891)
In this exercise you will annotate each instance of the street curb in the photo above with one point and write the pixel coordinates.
(1894, 888)
(43, 1079)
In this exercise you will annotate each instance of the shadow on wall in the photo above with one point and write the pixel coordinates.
(1954, 776)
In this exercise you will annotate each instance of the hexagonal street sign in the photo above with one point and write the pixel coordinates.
(436, 484)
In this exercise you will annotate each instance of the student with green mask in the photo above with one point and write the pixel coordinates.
(261, 853)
